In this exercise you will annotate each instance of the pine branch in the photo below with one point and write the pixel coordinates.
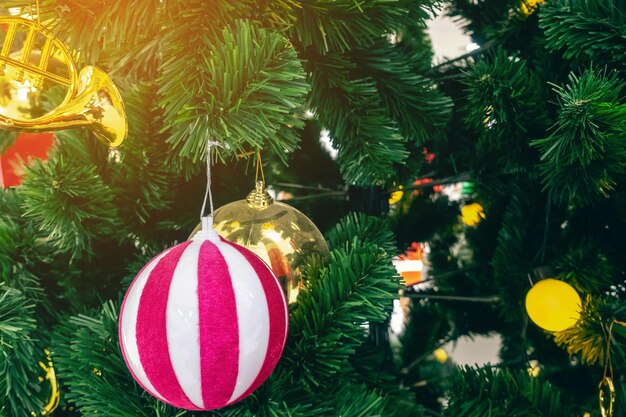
(91, 367)
(344, 399)
(357, 286)
(18, 358)
(244, 91)
(586, 30)
(358, 401)
(420, 110)
(279, 396)
(505, 106)
(278, 15)
(414, 41)
(142, 161)
(586, 266)
(358, 228)
(19, 249)
(338, 26)
(588, 338)
(377, 146)
(99, 28)
(483, 20)
(368, 362)
(368, 141)
(12, 238)
(368, 100)
(586, 150)
(70, 204)
(478, 392)
(138, 61)
(518, 248)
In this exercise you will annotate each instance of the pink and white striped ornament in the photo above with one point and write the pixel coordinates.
(203, 324)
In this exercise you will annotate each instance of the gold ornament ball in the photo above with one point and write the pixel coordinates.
(472, 214)
(553, 305)
(278, 233)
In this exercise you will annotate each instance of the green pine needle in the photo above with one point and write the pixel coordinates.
(70, 205)
(245, 89)
(479, 392)
(585, 150)
(19, 386)
(592, 31)
(505, 106)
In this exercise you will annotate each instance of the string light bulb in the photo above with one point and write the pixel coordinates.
(553, 305)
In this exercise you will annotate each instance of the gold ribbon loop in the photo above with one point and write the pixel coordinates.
(606, 404)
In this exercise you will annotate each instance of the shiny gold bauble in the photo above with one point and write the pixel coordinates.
(278, 233)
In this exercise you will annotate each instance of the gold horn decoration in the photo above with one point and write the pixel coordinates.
(33, 61)
(55, 395)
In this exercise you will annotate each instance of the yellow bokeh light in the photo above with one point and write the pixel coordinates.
(533, 369)
(396, 196)
(472, 214)
(528, 7)
(553, 305)
(441, 355)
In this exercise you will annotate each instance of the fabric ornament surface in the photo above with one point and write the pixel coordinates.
(203, 324)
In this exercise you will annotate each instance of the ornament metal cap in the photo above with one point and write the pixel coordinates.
(207, 232)
(259, 198)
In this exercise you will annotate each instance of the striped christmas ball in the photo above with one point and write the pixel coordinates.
(203, 324)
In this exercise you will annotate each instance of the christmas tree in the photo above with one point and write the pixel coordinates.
(528, 130)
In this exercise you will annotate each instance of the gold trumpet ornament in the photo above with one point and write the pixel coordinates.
(50, 376)
(33, 61)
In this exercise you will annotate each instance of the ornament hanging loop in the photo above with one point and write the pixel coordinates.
(259, 198)
(207, 231)
(606, 404)
(606, 385)
(259, 168)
